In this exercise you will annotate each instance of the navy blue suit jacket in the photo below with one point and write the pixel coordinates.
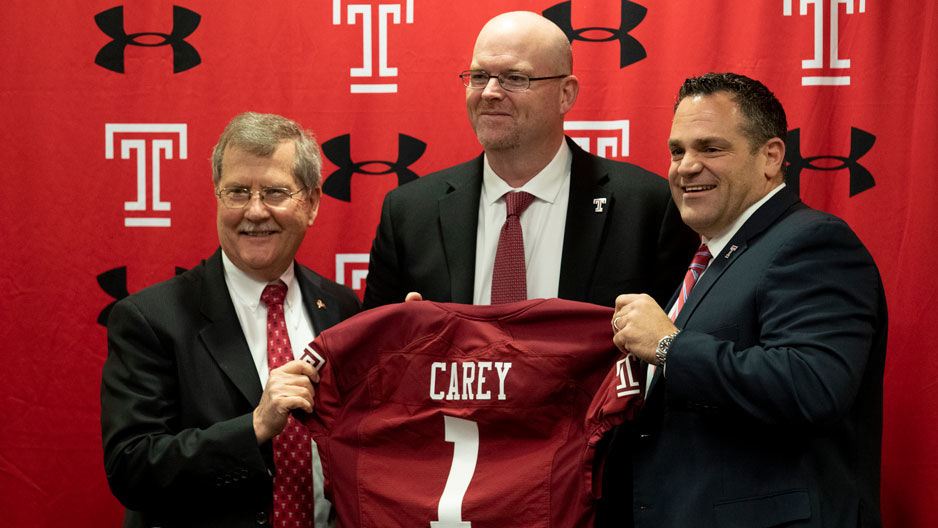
(770, 409)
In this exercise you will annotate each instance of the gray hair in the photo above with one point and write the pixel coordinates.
(260, 135)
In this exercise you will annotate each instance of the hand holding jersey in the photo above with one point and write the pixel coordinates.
(639, 324)
(289, 387)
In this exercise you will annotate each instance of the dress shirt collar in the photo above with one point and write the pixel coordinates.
(545, 185)
(717, 243)
(248, 289)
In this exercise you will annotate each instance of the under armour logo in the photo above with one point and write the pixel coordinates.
(630, 49)
(111, 22)
(338, 150)
(114, 283)
(860, 178)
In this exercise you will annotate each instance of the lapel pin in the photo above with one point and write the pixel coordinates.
(320, 304)
(730, 252)
(599, 203)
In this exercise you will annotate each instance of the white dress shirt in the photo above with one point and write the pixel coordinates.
(245, 294)
(542, 225)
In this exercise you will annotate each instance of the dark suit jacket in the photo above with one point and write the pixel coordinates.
(770, 412)
(177, 394)
(426, 239)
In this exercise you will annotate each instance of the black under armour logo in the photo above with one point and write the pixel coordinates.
(630, 49)
(114, 283)
(861, 142)
(339, 151)
(111, 22)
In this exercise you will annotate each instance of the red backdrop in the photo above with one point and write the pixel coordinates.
(110, 111)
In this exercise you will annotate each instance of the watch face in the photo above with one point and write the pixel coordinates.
(661, 352)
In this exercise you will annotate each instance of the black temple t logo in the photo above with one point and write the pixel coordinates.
(338, 150)
(861, 142)
(111, 55)
(630, 49)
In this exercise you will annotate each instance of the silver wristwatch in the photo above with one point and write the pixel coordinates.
(664, 344)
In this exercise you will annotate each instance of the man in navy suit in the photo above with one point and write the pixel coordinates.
(765, 402)
(596, 227)
(189, 407)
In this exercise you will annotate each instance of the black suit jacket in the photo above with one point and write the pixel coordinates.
(770, 410)
(177, 394)
(426, 239)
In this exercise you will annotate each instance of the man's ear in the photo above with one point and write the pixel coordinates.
(315, 196)
(568, 92)
(774, 151)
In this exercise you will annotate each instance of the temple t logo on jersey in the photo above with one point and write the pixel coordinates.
(468, 380)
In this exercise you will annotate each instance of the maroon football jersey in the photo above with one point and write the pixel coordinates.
(456, 416)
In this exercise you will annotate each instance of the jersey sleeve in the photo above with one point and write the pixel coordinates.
(618, 400)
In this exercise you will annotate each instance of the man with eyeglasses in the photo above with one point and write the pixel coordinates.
(196, 417)
(594, 229)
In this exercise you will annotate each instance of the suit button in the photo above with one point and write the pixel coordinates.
(261, 518)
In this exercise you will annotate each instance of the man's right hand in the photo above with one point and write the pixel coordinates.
(289, 387)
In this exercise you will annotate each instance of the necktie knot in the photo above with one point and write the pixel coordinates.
(517, 202)
(699, 263)
(274, 294)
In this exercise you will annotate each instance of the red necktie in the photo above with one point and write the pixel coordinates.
(697, 266)
(293, 481)
(509, 281)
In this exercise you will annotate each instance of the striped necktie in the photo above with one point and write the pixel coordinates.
(696, 268)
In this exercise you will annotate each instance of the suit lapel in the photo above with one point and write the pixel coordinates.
(323, 310)
(222, 335)
(585, 225)
(459, 218)
(762, 219)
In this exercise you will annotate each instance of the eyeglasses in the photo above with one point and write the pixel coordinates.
(238, 197)
(510, 81)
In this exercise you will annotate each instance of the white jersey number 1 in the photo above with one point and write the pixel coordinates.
(464, 435)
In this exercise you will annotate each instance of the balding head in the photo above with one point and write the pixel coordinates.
(530, 35)
(521, 130)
